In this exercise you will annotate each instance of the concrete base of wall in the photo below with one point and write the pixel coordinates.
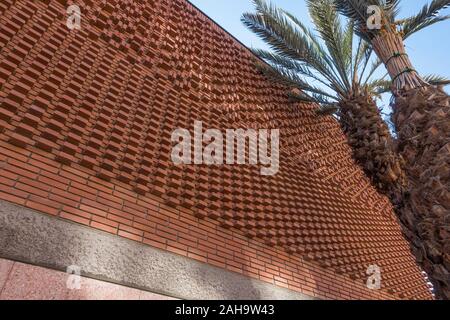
(34, 238)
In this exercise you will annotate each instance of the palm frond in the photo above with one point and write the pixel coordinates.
(323, 101)
(347, 47)
(274, 27)
(292, 79)
(392, 7)
(375, 65)
(308, 33)
(437, 80)
(353, 9)
(429, 15)
(338, 41)
(327, 110)
(358, 11)
(379, 86)
(320, 50)
(276, 60)
(297, 58)
(362, 58)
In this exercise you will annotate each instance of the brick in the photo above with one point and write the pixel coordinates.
(7, 182)
(65, 194)
(130, 236)
(150, 206)
(215, 257)
(12, 198)
(93, 210)
(197, 257)
(20, 172)
(72, 177)
(132, 230)
(50, 182)
(30, 184)
(108, 198)
(234, 269)
(76, 211)
(217, 263)
(134, 212)
(148, 227)
(281, 284)
(176, 250)
(235, 264)
(105, 221)
(31, 190)
(124, 196)
(82, 194)
(167, 229)
(43, 166)
(103, 227)
(124, 215)
(94, 204)
(109, 163)
(74, 218)
(184, 241)
(134, 206)
(266, 275)
(153, 243)
(23, 165)
(154, 237)
(100, 186)
(41, 207)
(8, 175)
(250, 274)
(206, 249)
(166, 235)
(201, 236)
(45, 201)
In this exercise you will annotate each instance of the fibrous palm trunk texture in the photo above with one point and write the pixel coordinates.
(372, 144)
(421, 114)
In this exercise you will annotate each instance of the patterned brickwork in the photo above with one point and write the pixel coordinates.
(86, 119)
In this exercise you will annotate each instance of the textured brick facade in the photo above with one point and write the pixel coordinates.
(86, 118)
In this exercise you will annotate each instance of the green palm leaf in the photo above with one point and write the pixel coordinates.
(381, 86)
(428, 16)
(437, 80)
(298, 59)
(277, 30)
(338, 41)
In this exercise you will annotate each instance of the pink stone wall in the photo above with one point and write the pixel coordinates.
(24, 281)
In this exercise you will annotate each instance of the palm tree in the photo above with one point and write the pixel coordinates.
(421, 115)
(298, 59)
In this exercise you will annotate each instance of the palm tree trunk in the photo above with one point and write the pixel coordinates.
(422, 119)
(391, 50)
(372, 144)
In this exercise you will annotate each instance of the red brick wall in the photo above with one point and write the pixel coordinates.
(86, 118)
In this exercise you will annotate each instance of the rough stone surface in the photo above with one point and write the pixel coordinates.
(47, 241)
(5, 269)
(29, 282)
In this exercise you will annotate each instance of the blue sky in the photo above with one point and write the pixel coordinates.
(429, 49)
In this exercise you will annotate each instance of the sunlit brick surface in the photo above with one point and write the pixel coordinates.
(86, 118)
